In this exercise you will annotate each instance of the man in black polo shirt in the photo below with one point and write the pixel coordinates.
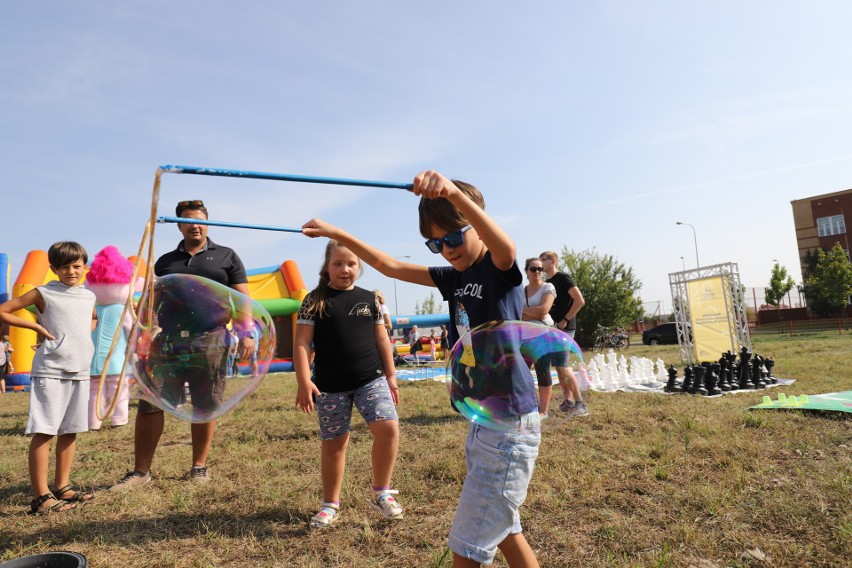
(195, 254)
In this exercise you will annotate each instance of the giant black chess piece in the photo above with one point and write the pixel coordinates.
(672, 385)
(745, 369)
(769, 362)
(711, 380)
(687, 379)
(757, 372)
(731, 379)
(722, 372)
(698, 383)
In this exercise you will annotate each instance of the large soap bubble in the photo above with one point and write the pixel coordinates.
(186, 347)
(492, 381)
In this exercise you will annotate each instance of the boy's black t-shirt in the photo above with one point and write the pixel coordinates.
(480, 294)
(345, 339)
(498, 367)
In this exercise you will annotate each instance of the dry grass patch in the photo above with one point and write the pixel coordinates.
(645, 480)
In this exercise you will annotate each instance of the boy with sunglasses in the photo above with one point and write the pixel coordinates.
(482, 284)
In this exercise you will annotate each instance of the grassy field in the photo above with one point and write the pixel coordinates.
(645, 480)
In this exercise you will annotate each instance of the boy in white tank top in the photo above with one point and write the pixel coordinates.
(59, 396)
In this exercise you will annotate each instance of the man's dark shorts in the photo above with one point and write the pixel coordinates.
(198, 360)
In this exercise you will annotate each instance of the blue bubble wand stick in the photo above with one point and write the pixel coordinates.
(247, 174)
(193, 221)
(195, 170)
(282, 177)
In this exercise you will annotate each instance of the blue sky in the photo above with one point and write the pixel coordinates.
(584, 124)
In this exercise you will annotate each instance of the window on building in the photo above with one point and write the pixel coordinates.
(828, 226)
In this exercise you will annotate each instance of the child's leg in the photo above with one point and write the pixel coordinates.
(375, 403)
(517, 552)
(66, 445)
(385, 446)
(333, 463)
(94, 422)
(334, 411)
(462, 562)
(39, 458)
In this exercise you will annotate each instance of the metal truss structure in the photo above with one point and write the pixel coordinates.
(735, 306)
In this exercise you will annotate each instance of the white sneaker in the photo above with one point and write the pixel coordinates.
(384, 503)
(327, 515)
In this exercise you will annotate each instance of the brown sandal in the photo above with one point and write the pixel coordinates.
(59, 507)
(75, 497)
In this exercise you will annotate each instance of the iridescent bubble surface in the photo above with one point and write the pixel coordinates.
(186, 359)
(493, 382)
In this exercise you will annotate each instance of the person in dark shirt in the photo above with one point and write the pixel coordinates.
(353, 366)
(568, 301)
(198, 255)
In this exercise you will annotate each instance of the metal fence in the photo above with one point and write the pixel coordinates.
(792, 328)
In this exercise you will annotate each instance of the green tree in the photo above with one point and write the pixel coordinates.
(779, 284)
(430, 306)
(829, 285)
(610, 288)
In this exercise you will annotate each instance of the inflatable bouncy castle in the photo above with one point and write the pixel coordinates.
(280, 289)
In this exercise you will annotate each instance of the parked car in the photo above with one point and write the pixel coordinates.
(662, 334)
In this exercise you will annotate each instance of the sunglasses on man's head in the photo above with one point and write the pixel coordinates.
(182, 205)
(535, 269)
(453, 240)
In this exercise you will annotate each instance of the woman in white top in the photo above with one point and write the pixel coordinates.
(385, 312)
(539, 298)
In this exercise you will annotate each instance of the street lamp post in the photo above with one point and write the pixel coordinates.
(395, 305)
(683, 264)
(695, 239)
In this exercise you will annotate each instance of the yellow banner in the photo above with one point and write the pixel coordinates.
(712, 329)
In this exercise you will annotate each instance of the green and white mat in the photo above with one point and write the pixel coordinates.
(835, 401)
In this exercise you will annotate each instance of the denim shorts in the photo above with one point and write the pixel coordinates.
(499, 468)
(334, 409)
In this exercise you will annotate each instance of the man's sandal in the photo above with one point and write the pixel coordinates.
(327, 515)
(59, 507)
(74, 497)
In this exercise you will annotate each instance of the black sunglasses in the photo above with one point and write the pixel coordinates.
(453, 240)
(188, 205)
(535, 269)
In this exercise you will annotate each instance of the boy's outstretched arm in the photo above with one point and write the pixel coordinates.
(31, 298)
(433, 185)
(380, 260)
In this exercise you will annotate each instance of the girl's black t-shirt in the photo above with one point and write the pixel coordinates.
(346, 356)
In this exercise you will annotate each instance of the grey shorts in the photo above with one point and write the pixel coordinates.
(58, 406)
(499, 468)
(373, 401)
